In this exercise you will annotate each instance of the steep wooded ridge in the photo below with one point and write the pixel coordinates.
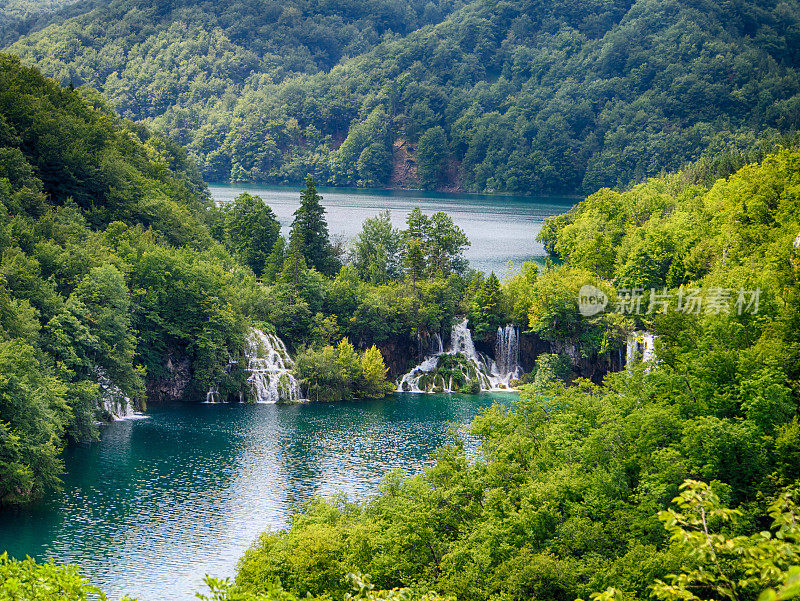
(107, 269)
(524, 95)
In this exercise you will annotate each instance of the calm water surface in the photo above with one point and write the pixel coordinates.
(159, 502)
(501, 228)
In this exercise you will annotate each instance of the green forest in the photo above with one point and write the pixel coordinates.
(673, 480)
(518, 96)
(672, 475)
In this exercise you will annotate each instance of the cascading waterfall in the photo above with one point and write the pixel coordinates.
(641, 348)
(437, 370)
(113, 401)
(269, 366)
(506, 354)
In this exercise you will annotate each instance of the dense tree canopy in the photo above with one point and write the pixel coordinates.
(593, 490)
(526, 95)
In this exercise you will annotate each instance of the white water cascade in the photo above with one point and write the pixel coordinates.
(641, 348)
(491, 374)
(506, 354)
(113, 401)
(269, 367)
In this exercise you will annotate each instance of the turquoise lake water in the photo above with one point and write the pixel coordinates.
(501, 228)
(159, 502)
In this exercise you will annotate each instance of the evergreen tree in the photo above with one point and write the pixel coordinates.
(309, 222)
(274, 262)
(295, 262)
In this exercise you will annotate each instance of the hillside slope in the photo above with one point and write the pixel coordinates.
(524, 95)
(108, 274)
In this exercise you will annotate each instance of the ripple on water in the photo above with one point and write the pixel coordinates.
(158, 503)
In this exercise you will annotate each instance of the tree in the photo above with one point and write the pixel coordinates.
(311, 230)
(442, 242)
(376, 250)
(26, 580)
(374, 165)
(446, 243)
(252, 230)
(414, 259)
(373, 382)
(295, 263)
(431, 156)
(348, 364)
(488, 311)
(274, 262)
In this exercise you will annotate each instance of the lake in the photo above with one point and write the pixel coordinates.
(161, 501)
(501, 228)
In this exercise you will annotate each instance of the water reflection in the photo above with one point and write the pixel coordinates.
(158, 503)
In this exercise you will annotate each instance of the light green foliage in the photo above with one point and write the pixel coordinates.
(554, 315)
(376, 250)
(563, 496)
(730, 567)
(518, 289)
(28, 581)
(341, 373)
(373, 382)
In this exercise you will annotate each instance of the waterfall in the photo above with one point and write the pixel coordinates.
(437, 348)
(269, 367)
(475, 367)
(212, 396)
(113, 401)
(641, 348)
(506, 354)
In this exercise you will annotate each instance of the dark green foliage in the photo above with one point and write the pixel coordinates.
(434, 244)
(525, 95)
(310, 232)
(108, 274)
(431, 157)
(251, 230)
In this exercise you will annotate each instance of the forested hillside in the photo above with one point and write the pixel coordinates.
(524, 95)
(18, 17)
(121, 284)
(107, 269)
(574, 490)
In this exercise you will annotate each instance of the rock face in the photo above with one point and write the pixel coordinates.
(399, 354)
(174, 385)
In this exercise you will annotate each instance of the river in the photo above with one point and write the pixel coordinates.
(500, 228)
(161, 501)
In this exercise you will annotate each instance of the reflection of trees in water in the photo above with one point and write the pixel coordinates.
(202, 481)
